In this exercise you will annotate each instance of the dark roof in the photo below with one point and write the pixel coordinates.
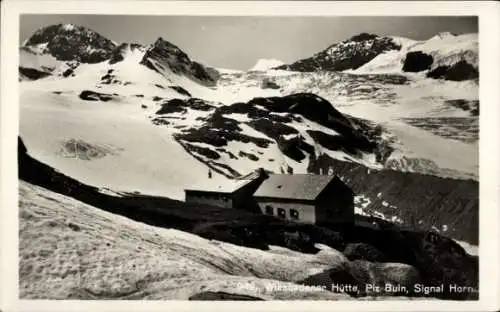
(294, 186)
(226, 186)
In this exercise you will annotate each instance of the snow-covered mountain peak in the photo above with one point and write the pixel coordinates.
(266, 64)
(166, 58)
(348, 54)
(69, 42)
(445, 55)
(68, 27)
(167, 46)
(58, 50)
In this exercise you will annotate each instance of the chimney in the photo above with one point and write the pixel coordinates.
(261, 172)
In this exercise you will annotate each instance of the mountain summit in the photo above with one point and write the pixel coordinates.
(163, 55)
(56, 48)
(68, 42)
(348, 54)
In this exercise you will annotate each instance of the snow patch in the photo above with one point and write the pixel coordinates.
(68, 27)
(266, 64)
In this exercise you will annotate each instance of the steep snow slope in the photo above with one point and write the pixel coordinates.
(266, 64)
(45, 63)
(50, 122)
(69, 250)
(53, 114)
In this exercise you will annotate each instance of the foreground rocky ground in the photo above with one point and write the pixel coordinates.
(70, 249)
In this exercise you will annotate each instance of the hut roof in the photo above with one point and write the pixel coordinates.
(294, 186)
(225, 185)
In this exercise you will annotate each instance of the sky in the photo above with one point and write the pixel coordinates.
(238, 42)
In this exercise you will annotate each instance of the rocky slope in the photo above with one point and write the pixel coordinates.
(283, 133)
(416, 115)
(412, 200)
(66, 253)
(164, 55)
(443, 56)
(348, 54)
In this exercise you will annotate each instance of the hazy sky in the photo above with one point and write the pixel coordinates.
(238, 42)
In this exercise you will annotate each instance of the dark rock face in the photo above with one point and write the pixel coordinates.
(180, 90)
(272, 128)
(363, 37)
(32, 74)
(22, 151)
(457, 72)
(181, 106)
(417, 61)
(444, 262)
(436, 259)
(203, 151)
(172, 106)
(220, 295)
(95, 96)
(73, 43)
(164, 55)
(362, 251)
(268, 84)
(348, 54)
(296, 148)
(468, 105)
(68, 72)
